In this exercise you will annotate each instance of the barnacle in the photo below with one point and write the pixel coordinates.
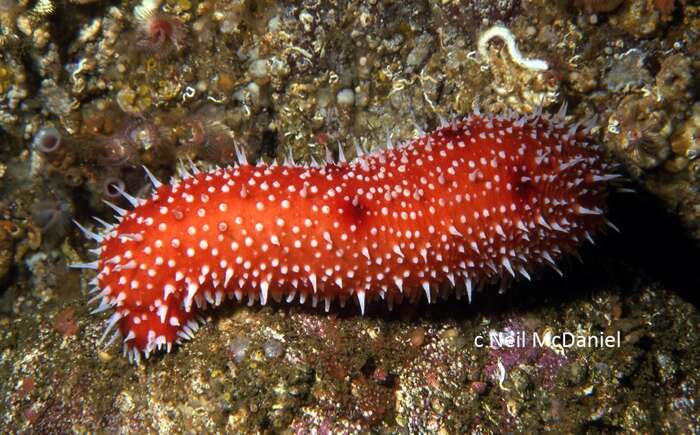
(156, 29)
(111, 187)
(675, 77)
(43, 8)
(597, 6)
(686, 140)
(143, 134)
(115, 150)
(205, 134)
(47, 140)
(53, 216)
(638, 131)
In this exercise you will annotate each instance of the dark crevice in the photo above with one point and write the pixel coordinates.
(269, 144)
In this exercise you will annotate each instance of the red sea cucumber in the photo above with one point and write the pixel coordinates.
(481, 199)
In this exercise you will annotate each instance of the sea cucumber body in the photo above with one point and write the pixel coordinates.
(475, 201)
